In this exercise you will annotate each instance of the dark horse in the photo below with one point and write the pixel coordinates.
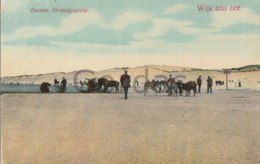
(45, 87)
(219, 82)
(180, 86)
(191, 85)
(92, 84)
(108, 83)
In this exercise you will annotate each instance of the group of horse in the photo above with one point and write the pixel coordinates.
(219, 82)
(171, 87)
(95, 84)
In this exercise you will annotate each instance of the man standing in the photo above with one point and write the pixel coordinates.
(125, 82)
(170, 82)
(209, 84)
(239, 84)
(64, 83)
(199, 82)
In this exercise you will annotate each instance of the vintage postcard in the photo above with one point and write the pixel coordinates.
(132, 81)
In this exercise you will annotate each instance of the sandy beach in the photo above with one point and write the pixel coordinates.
(222, 127)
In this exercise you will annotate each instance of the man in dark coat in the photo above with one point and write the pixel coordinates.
(170, 82)
(125, 82)
(64, 84)
(209, 84)
(199, 82)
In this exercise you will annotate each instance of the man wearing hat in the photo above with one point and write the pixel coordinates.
(125, 82)
(199, 82)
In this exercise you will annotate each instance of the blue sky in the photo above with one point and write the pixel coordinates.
(140, 32)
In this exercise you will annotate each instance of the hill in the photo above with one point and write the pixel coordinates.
(247, 68)
(149, 71)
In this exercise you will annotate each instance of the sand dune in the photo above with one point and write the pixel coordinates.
(249, 78)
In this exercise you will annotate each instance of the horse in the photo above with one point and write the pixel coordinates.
(175, 88)
(172, 86)
(162, 85)
(102, 82)
(219, 82)
(45, 87)
(91, 84)
(108, 83)
(191, 85)
(151, 85)
(180, 86)
(60, 88)
(112, 83)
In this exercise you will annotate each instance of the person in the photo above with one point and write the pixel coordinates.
(209, 84)
(125, 83)
(56, 84)
(199, 82)
(64, 83)
(137, 83)
(170, 82)
(239, 84)
(56, 81)
(82, 84)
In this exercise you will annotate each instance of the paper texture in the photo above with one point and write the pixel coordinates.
(63, 64)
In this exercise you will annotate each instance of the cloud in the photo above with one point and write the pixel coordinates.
(128, 18)
(162, 26)
(226, 19)
(69, 25)
(14, 6)
(77, 22)
(175, 8)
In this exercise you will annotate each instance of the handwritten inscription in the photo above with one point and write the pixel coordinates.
(209, 8)
(59, 10)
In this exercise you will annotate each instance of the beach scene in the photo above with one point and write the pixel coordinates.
(131, 82)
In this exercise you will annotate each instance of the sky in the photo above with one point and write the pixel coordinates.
(126, 33)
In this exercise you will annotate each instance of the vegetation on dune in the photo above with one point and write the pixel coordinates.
(247, 68)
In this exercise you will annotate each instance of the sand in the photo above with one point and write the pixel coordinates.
(222, 127)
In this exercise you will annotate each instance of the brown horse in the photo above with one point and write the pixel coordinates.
(102, 82)
(108, 83)
(112, 83)
(45, 87)
(191, 85)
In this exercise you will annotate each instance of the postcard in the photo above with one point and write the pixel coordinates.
(108, 81)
